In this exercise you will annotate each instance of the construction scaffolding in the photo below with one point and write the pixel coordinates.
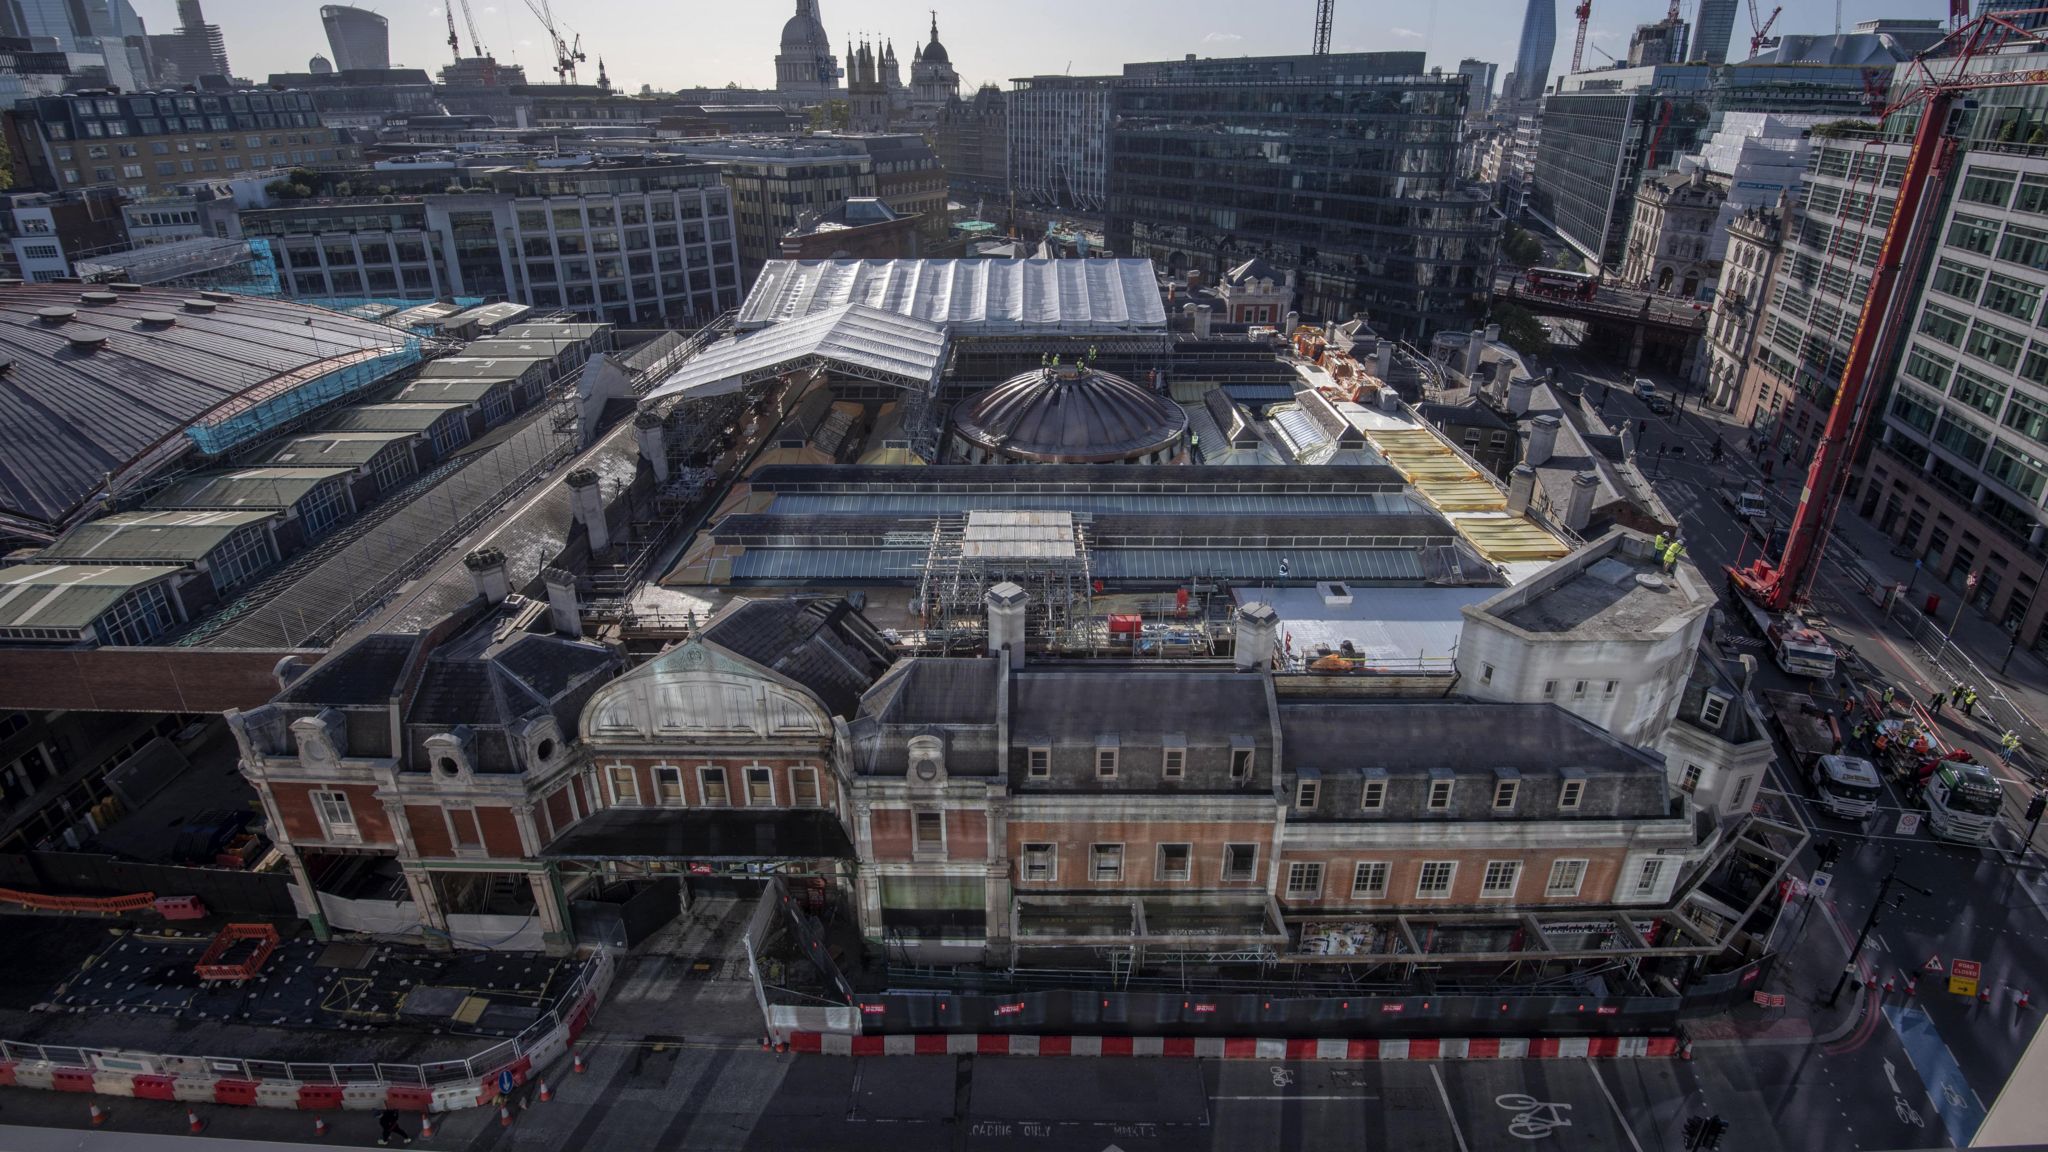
(1044, 553)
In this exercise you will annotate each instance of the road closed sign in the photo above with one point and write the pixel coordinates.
(1963, 976)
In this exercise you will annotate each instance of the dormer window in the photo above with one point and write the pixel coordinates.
(1714, 709)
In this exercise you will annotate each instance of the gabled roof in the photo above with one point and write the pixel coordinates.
(68, 596)
(170, 536)
(246, 488)
(852, 338)
(821, 643)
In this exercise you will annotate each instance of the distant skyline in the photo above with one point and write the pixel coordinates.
(682, 45)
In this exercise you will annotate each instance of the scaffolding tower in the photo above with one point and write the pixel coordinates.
(1044, 553)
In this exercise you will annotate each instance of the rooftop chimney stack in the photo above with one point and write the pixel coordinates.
(487, 571)
(1383, 358)
(1474, 345)
(1258, 627)
(1580, 512)
(563, 608)
(650, 431)
(1202, 321)
(1521, 489)
(1006, 604)
(1542, 440)
(586, 503)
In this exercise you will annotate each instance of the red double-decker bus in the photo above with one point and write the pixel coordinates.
(1560, 283)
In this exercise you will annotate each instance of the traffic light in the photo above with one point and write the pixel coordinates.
(1716, 1128)
(2036, 806)
(1694, 1129)
(1828, 851)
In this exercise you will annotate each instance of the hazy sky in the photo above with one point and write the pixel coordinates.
(671, 45)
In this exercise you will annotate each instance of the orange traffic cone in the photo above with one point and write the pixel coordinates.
(578, 1056)
(1912, 984)
(193, 1122)
(504, 1116)
(2026, 999)
(319, 1125)
(426, 1125)
(545, 1095)
(1888, 987)
(1983, 995)
(99, 1116)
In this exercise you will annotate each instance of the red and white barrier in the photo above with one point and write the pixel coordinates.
(1238, 1048)
(119, 1075)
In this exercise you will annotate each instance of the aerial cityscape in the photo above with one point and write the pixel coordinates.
(1255, 580)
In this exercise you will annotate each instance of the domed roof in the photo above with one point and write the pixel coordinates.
(935, 52)
(804, 32)
(1070, 415)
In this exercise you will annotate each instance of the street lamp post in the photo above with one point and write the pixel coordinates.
(2012, 630)
(1877, 906)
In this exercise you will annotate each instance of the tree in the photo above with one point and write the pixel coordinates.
(1521, 249)
(832, 115)
(1520, 329)
(6, 167)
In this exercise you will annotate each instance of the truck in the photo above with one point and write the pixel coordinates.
(1963, 799)
(1806, 729)
(1746, 502)
(1847, 787)
(1799, 648)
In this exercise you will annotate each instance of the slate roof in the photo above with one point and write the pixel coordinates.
(68, 417)
(819, 642)
(1413, 736)
(953, 698)
(1075, 706)
(365, 672)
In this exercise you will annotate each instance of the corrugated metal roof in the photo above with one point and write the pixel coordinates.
(171, 535)
(247, 488)
(401, 417)
(829, 564)
(334, 449)
(1226, 503)
(864, 338)
(68, 596)
(69, 417)
(481, 367)
(971, 297)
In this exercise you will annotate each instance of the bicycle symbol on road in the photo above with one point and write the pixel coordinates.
(1907, 1113)
(1282, 1077)
(1534, 1119)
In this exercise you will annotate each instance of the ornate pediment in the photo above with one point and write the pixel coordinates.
(697, 693)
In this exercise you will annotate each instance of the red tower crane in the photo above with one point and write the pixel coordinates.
(1584, 12)
(1774, 587)
(1760, 30)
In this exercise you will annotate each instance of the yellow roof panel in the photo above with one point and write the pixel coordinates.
(1512, 539)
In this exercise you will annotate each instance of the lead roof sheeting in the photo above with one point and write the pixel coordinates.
(861, 337)
(972, 297)
(67, 419)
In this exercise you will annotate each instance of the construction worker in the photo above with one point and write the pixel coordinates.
(1671, 555)
(2008, 744)
(1849, 707)
(1658, 545)
(1969, 702)
(1934, 701)
(1890, 694)
(1955, 694)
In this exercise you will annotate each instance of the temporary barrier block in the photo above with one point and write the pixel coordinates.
(1429, 1049)
(149, 1087)
(180, 908)
(71, 1079)
(1364, 1049)
(866, 1046)
(1602, 1045)
(7, 1073)
(807, 1042)
(929, 1044)
(1543, 1047)
(1482, 1049)
(1301, 1049)
(1180, 1047)
(363, 1097)
(241, 1092)
(992, 1044)
(193, 1089)
(315, 1097)
(1055, 1045)
(1116, 1046)
(1661, 1046)
(408, 1098)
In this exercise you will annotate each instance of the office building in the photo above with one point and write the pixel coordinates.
(774, 181)
(1343, 168)
(1661, 43)
(1672, 234)
(1059, 142)
(196, 49)
(1601, 135)
(1748, 269)
(1479, 78)
(1714, 29)
(972, 140)
(632, 242)
(147, 143)
(1533, 52)
(1961, 467)
(359, 37)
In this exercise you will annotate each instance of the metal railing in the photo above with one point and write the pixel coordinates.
(594, 976)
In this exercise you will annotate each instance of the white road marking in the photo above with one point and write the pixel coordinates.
(1451, 1113)
(1290, 1096)
(1612, 1103)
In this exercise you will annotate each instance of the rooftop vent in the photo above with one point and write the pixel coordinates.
(159, 319)
(125, 286)
(6, 365)
(196, 305)
(88, 342)
(218, 297)
(98, 298)
(56, 315)
(1652, 581)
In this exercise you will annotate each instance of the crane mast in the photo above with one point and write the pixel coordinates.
(454, 45)
(1776, 586)
(1584, 12)
(1325, 10)
(567, 54)
(1760, 29)
(476, 42)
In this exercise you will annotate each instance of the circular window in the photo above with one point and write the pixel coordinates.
(927, 770)
(545, 750)
(448, 766)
